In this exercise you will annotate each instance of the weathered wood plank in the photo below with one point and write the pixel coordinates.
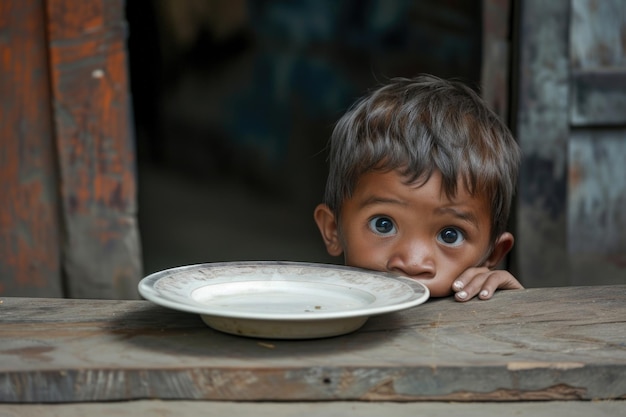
(597, 143)
(542, 121)
(95, 147)
(29, 231)
(537, 344)
(495, 69)
(596, 201)
(597, 192)
(599, 97)
(495, 66)
(322, 409)
(597, 34)
(598, 60)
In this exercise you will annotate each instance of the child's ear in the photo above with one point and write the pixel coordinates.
(504, 243)
(327, 223)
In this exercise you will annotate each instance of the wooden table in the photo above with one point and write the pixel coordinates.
(558, 344)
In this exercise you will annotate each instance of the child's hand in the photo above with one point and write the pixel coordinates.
(483, 282)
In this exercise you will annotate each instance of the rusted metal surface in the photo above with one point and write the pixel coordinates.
(95, 147)
(536, 344)
(29, 231)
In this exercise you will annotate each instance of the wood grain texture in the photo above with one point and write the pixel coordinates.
(95, 147)
(599, 96)
(569, 75)
(597, 34)
(495, 69)
(597, 193)
(596, 200)
(536, 344)
(29, 231)
(597, 142)
(598, 59)
(542, 129)
(321, 409)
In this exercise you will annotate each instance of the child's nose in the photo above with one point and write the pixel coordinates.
(413, 259)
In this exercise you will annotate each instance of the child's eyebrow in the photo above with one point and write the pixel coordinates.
(381, 200)
(464, 215)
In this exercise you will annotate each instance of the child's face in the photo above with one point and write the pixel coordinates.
(416, 231)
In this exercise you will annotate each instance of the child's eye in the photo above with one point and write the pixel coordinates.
(382, 225)
(451, 236)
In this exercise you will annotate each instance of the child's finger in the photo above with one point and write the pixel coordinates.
(469, 283)
(482, 283)
(468, 276)
(497, 280)
(468, 292)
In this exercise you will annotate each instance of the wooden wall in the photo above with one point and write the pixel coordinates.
(596, 200)
(67, 179)
(570, 117)
(67, 160)
(30, 261)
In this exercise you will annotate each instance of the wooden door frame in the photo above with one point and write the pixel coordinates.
(68, 173)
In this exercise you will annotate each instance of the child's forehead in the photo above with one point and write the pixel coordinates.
(386, 180)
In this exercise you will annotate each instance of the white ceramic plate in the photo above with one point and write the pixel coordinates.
(281, 300)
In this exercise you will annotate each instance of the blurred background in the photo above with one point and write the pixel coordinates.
(142, 135)
(234, 102)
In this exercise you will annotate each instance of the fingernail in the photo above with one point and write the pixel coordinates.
(462, 295)
(458, 285)
(484, 293)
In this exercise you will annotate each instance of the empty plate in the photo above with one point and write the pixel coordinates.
(281, 300)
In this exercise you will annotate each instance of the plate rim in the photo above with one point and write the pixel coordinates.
(146, 289)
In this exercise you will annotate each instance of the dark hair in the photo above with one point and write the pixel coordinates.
(420, 125)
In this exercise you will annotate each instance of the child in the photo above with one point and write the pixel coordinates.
(422, 176)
